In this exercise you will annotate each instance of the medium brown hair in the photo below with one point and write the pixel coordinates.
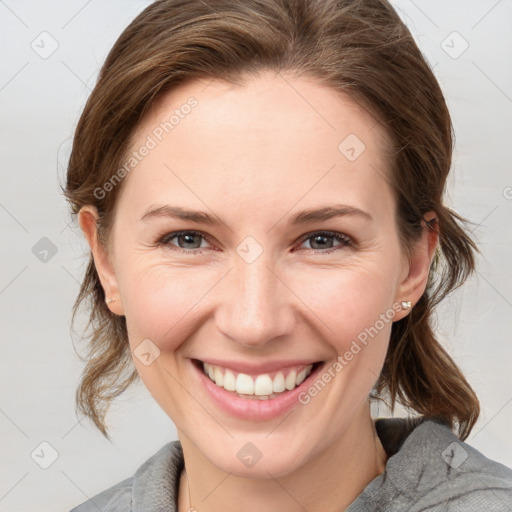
(358, 47)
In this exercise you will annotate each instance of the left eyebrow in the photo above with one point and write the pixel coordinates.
(303, 217)
(328, 212)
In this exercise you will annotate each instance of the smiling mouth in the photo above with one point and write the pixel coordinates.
(265, 386)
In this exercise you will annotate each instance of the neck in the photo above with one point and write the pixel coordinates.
(329, 482)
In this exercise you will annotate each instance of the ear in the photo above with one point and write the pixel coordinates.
(416, 268)
(88, 218)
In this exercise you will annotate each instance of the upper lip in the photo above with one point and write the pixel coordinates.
(252, 368)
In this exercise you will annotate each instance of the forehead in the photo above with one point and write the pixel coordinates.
(273, 139)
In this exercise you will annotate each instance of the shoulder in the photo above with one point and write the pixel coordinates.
(154, 481)
(113, 499)
(436, 468)
(432, 470)
(448, 471)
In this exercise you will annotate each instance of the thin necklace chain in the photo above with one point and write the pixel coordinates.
(189, 508)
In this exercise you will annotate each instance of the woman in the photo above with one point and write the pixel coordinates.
(261, 185)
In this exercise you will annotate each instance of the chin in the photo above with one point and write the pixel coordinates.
(254, 458)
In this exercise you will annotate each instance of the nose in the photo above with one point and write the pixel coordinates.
(256, 305)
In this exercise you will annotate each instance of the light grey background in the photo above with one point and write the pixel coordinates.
(41, 99)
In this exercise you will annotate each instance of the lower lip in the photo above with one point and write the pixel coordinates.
(254, 409)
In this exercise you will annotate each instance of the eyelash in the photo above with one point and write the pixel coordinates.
(344, 240)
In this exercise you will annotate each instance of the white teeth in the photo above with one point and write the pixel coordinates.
(219, 378)
(290, 380)
(229, 381)
(244, 384)
(261, 387)
(301, 376)
(278, 383)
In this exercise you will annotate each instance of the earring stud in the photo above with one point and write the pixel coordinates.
(406, 304)
(108, 301)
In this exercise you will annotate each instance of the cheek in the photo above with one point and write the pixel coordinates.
(164, 303)
(348, 301)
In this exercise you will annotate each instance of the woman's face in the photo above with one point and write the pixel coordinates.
(259, 288)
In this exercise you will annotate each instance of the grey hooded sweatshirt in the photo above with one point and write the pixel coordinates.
(428, 470)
